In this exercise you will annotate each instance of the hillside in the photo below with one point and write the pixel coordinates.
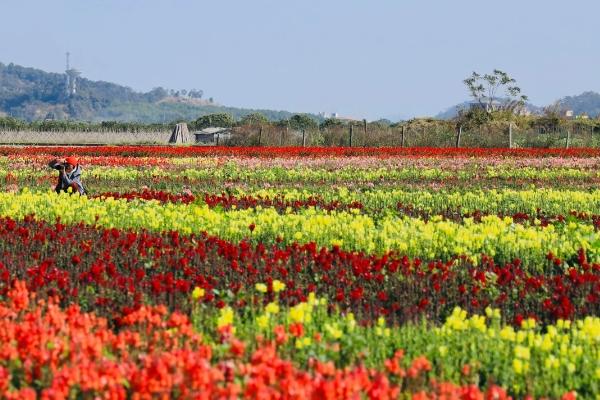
(586, 102)
(30, 94)
(452, 112)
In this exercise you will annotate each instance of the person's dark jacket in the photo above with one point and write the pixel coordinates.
(66, 180)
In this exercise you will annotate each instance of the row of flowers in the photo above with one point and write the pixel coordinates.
(195, 151)
(527, 360)
(299, 352)
(550, 202)
(501, 238)
(274, 174)
(372, 199)
(113, 271)
(491, 161)
(283, 204)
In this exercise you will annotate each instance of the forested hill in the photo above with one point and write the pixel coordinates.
(586, 102)
(33, 94)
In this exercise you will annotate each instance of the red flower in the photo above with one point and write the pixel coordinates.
(296, 329)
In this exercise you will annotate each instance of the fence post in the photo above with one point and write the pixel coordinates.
(351, 132)
(458, 136)
(303, 138)
(402, 142)
(217, 138)
(259, 135)
(510, 135)
(568, 138)
(365, 127)
(281, 138)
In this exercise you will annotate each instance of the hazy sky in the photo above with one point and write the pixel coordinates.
(369, 59)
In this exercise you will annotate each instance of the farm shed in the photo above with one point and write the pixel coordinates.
(212, 135)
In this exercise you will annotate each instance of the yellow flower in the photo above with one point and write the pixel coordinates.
(197, 293)
(262, 321)
(225, 317)
(563, 324)
(551, 362)
(546, 343)
(489, 312)
(303, 342)
(478, 322)
(333, 330)
(518, 366)
(261, 287)
(522, 352)
(272, 308)
(529, 323)
(278, 286)
(508, 333)
(312, 299)
(298, 312)
(443, 350)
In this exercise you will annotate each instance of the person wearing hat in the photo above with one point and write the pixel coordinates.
(69, 175)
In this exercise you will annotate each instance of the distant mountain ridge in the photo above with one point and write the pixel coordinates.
(32, 94)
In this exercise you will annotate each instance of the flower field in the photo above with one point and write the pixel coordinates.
(196, 272)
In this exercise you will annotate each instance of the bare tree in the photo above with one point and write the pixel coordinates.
(484, 89)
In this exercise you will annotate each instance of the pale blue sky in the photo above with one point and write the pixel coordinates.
(358, 58)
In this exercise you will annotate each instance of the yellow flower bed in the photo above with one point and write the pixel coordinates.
(497, 237)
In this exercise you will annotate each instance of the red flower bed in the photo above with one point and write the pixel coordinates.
(41, 159)
(114, 272)
(175, 151)
(162, 196)
(50, 353)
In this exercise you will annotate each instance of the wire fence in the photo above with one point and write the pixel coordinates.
(434, 135)
(438, 134)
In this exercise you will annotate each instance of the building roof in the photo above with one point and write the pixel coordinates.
(212, 130)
